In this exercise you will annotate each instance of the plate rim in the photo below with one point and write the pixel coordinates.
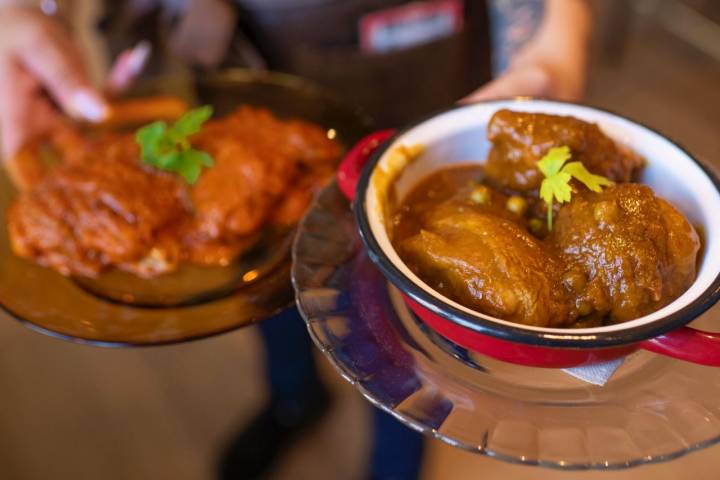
(226, 77)
(375, 400)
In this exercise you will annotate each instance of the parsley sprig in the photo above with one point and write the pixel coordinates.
(558, 173)
(167, 147)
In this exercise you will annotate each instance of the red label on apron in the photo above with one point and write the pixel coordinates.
(410, 25)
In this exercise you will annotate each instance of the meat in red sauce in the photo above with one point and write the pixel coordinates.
(101, 207)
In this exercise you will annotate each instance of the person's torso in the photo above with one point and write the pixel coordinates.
(398, 60)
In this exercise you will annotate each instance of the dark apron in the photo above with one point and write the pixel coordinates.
(321, 43)
(318, 40)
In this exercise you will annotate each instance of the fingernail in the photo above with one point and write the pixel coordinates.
(138, 56)
(89, 105)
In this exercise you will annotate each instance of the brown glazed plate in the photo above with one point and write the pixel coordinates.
(120, 309)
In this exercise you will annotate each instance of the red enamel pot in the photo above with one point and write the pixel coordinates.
(457, 136)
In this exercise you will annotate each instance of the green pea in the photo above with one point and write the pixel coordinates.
(517, 205)
(480, 195)
(536, 226)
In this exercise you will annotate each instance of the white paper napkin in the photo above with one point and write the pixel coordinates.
(597, 374)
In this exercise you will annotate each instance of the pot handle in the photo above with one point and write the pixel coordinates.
(352, 164)
(689, 344)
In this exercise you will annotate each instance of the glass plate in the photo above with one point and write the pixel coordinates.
(652, 409)
(119, 308)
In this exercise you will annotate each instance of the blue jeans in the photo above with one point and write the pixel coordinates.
(396, 450)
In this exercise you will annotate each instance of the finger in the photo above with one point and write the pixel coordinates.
(529, 81)
(127, 68)
(52, 57)
(21, 119)
(16, 91)
(27, 112)
(44, 116)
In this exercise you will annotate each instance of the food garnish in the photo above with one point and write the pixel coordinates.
(167, 147)
(558, 173)
(480, 194)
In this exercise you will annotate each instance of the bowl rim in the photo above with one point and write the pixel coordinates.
(517, 333)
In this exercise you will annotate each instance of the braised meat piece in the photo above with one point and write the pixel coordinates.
(234, 197)
(683, 247)
(627, 252)
(100, 211)
(259, 162)
(490, 264)
(453, 190)
(520, 140)
(266, 171)
(317, 159)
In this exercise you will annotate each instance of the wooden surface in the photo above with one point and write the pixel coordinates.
(75, 412)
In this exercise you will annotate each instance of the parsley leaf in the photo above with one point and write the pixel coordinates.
(191, 163)
(150, 137)
(189, 170)
(168, 147)
(553, 160)
(594, 182)
(192, 121)
(556, 185)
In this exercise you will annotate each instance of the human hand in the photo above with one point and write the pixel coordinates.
(553, 63)
(534, 78)
(37, 56)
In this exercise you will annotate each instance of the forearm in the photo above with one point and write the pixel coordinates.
(549, 62)
(512, 24)
(557, 53)
(515, 24)
(563, 36)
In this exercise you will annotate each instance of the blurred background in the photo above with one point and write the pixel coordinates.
(77, 412)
